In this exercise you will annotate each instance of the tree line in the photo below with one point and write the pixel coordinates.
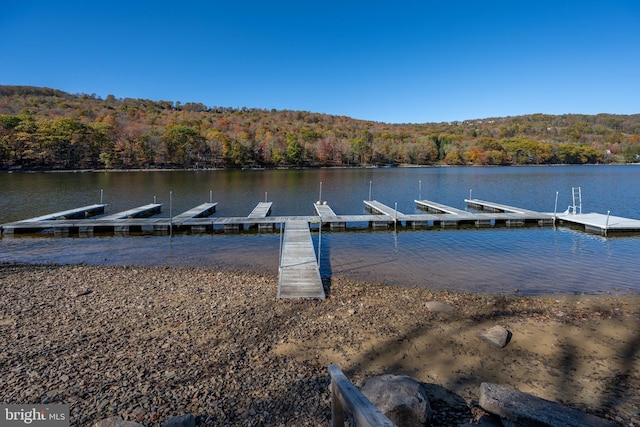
(42, 128)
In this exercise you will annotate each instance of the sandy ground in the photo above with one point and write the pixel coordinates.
(147, 343)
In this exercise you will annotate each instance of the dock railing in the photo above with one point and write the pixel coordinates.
(347, 399)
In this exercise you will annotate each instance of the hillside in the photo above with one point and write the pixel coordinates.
(42, 128)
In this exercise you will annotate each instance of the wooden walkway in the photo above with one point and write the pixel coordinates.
(299, 272)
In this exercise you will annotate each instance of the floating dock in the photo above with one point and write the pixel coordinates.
(139, 212)
(600, 223)
(299, 270)
(327, 215)
(198, 220)
(82, 212)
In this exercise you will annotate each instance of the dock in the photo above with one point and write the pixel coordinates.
(327, 215)
(201, 211)
(299, 271)
(600, 223)
(262, 209)
(198, 220)
(139, 212)
(439, 208)
(82, 212)
(519, 215)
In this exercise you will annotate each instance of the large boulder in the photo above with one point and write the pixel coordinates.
(400, 398)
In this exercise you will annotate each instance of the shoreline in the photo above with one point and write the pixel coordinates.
(147, 343)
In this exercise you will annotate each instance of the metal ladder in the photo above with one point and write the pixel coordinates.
(576, 193)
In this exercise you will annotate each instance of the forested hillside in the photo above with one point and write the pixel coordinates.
(43, 128)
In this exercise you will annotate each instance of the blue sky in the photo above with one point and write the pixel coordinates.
(395, 62)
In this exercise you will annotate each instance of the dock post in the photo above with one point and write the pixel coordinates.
(101, 193)
(369, 190)
(606, 225)
(320, 196)
(170, 214)
(265, 196)
(210, 196)
(420, 189)
(555, 210)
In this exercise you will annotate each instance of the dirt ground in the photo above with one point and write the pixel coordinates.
(149, 343)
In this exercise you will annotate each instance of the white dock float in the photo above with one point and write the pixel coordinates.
(601, 223)
(299, 271)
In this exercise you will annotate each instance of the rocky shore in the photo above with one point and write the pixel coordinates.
(146, 344)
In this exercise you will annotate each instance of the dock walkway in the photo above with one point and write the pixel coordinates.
(299, 271)
(383, 209)
(202, 211)
(439, 207)
(139, 212)
(496, 207)
(600, 223)
(262, 210)
(83, 212)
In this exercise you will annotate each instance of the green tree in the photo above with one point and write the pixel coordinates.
(294, 149)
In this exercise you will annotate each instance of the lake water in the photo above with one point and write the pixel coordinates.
(497, 260)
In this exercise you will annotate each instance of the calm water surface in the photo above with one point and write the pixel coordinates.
(532, 260)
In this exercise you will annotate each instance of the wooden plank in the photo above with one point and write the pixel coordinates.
(299, 272)
(345, 397)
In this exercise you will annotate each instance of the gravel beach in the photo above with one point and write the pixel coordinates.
(149, 343)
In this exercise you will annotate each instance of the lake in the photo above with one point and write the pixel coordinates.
(532, 260)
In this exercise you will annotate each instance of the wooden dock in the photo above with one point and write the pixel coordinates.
(299, 271)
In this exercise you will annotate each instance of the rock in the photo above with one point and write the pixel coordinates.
(80, 292)
(497, 336)
(187, 420)
(138, 414)
(116, 422)
(400, 398)
(517, 409)
(438, 307)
